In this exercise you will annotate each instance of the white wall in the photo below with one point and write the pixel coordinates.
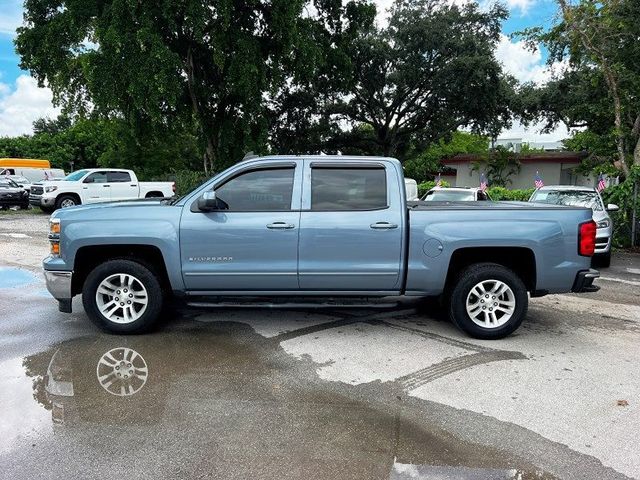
(551, 173)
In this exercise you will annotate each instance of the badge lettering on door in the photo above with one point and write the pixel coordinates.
(211, 259)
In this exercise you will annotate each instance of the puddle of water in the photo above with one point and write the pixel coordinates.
(16, 277)
(224, 389)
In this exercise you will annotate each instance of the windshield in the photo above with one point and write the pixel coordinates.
(445, 195)
(75, 176)
(575, 198)
(8, 183)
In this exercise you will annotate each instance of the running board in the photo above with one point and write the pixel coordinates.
(290, 305)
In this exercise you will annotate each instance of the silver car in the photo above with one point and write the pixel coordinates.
(583, 197)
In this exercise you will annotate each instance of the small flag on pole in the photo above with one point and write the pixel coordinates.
(538, 181)
(438, 181)
(601, 183)
(483, 183)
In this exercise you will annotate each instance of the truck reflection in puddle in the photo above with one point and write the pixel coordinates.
(244, 408)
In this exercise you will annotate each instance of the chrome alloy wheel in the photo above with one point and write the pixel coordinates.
(67, 202)
(122, 371)
(491, 303)
(122, 298)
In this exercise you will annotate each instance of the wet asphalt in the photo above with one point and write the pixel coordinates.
(331, 394)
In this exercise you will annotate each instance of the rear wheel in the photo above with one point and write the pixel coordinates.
(488, 301)
(123, 296)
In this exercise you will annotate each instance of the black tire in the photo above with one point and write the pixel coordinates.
(602, 260)
(467, 280)
(63, 198)
(154, 195)
(24, 206)
(144, 275)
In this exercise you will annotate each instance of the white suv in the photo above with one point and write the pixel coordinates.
(583, 197)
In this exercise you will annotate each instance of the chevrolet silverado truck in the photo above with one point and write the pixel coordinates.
(315, 228)
(94, 185)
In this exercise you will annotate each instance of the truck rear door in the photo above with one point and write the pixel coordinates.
(351, 226)
(122, 185)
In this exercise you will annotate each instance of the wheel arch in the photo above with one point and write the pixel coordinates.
(521, 260)
(89, 257)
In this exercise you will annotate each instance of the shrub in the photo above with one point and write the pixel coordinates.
(501, 193)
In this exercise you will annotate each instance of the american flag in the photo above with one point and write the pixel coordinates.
(483, 183)
(601, 183)
(538, 181)
(438, 181)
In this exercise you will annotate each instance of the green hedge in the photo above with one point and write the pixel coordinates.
(426, 186)
(501, 193)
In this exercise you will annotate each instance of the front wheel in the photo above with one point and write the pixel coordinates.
(123, 296)
(601, 260)
(66, 201)
(488, 301)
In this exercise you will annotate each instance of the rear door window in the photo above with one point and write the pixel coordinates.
(338, 188)
(118, 177)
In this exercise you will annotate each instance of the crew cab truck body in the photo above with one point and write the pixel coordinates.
(95, 185)
(316, 227)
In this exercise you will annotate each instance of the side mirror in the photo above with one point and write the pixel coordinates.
(208, 201)
(612, 207)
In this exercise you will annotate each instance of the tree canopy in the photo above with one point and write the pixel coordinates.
(271, 75)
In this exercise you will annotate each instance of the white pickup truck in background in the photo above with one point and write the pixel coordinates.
(93, 186)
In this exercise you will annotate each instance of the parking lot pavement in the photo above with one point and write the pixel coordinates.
(359, 393)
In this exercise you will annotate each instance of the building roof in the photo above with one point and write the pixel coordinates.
(541, 157)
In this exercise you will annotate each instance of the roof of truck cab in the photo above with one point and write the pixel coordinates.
(322, 158)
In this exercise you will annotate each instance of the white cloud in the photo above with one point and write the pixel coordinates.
(522, 5)
(10, 16)
(525, 65)
(20, 106)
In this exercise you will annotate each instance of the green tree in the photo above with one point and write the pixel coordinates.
(499, 165)
(426, 163)
(429, 73)
(163, 65)
(599, 39)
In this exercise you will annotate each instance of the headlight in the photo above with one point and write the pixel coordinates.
(603, 223)
(54, 236)
(51, 188)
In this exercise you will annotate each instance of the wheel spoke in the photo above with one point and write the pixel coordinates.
(486, 299)
(133, 303)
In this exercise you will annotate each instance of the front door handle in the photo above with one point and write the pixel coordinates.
(106, 186)
(280, 226)
(383, 226)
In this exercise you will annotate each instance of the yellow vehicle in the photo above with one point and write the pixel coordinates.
(24, 163)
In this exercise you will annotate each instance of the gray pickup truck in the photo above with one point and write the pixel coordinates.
(314, 228)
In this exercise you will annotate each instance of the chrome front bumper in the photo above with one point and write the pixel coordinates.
(59, 286)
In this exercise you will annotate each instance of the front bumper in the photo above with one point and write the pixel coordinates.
(59, 286)
(41, 200)
(584, 281)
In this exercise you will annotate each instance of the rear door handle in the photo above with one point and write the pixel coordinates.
(383, 226)
(280, 226)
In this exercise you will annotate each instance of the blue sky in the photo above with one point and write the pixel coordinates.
(21, 101)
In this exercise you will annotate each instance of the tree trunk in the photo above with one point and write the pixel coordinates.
(635, 134)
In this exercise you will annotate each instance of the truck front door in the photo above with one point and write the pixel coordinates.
(251, 244)
(96, 188)
(351, 227)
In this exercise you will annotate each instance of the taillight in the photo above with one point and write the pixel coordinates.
(587, 238)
